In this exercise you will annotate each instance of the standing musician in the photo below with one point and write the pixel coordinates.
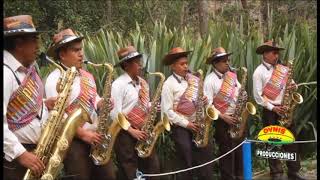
(131, 95)
(221, 87)
(270, 96)
(24, 109)
(181, 112)
(67, 49)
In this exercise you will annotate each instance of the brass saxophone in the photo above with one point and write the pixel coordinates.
(144, 148)
(242, 110)
(58, 132)
(204, 117)
(101, 153)
(290, 99)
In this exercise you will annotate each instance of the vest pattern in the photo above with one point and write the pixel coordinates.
(138, 114)
(26, 101)
(276, 83)
(86, 97)
(187, 103)
(226, 94)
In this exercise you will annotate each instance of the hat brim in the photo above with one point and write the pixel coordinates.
(52, 49)
(266, 48)
(126, 60)
(171, 58)
(19, 33)
(211, 59)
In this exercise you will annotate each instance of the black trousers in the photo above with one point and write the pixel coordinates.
(270, 118)
(189, 155)
(129, 161)
(14, 170)
(231, 167)
(79, 166)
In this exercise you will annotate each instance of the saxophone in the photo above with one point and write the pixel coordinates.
(204, 116)
(58, 132)
(101, 153)
(290, 99)
(242, 110)
(144, 148)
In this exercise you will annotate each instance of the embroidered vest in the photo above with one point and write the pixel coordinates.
(87, 94)
(226, 94)
(187, 103)
(276, 83)
(137, 115)
(25, 103)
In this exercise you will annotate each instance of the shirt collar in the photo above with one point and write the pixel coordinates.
(178, 77)
(129, 80)
(11, 61)
(220, 75)
(267, 65)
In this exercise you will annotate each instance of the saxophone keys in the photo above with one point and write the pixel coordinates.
(63, 144)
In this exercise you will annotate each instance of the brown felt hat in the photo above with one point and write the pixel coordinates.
(216, 54)
(174, 54)
(126, 54)
(62, 38)
(268, 46)
(19, 25)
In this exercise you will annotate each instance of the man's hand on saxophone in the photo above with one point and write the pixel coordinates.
(280, 110)
(89, 136)
(193, 127)
(137, 134)
(50, 102)
(31, 161)
(228, 119)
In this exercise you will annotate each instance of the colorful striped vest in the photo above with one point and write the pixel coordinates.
(226, 94)
(137, 115)
(276, 83)
(26, 101)
(87, 94)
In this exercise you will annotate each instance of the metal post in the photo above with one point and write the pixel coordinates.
(247, 165)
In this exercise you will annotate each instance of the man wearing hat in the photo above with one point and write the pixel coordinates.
(131, 95)
(270, 71)
(24, 109)
(181, 111)
(67, 49)
(221, 87)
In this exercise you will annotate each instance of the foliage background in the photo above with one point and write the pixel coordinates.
(154, 27)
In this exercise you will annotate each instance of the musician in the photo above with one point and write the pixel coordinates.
(181, 113)
(67, 49)
(24, 109)
(131, 95)
(221, 87)
(270, 99)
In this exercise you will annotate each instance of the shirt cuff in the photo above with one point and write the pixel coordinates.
(183, 122)
(270, 106)
(17, 150)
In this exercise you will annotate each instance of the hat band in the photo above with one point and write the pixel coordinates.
(219, 55)
(20, 30)
(68, 39)
(131, 55)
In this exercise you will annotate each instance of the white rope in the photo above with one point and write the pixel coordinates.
(140, 174)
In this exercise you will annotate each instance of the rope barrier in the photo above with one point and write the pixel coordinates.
(139, 174)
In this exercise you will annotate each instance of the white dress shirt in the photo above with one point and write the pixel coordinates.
(125, 93)
(172, 90)
(261, 76)
(212, 84)
(50, 89)
(28, 134)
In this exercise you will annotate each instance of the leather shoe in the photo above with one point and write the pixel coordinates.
(277, 177)
(296, 176)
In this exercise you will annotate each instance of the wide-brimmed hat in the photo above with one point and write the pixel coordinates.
(174, 54)
(216, 54)
(268, 46)
(62, 38)
(19, 25)
(126, 54)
